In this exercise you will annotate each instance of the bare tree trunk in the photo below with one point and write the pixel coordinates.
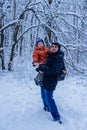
(14, 9)
(16, 29)
(48, 31)
(1, 46)
(13, 47)
(75, 22)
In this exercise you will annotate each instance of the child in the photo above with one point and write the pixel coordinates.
(39, 55)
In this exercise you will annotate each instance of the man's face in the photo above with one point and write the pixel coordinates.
(54, 48)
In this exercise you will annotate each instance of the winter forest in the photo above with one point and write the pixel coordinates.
(21, 23)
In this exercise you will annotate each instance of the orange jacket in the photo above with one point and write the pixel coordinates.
(40, 54)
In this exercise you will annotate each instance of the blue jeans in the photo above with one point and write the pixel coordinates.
(48, 101)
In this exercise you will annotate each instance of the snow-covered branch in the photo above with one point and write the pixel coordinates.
(73, 14)
(10, 24)
(1, 48)
(26, 30)
(73, 26)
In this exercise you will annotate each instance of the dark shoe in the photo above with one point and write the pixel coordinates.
(46, 109)
(60, 121)
(56, 119)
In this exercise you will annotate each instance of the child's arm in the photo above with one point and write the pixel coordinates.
(35, 56)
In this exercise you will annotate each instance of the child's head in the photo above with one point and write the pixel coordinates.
(40, 43)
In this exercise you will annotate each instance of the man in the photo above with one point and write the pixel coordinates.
(51, 69)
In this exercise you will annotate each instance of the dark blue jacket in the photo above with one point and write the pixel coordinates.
(51, 69)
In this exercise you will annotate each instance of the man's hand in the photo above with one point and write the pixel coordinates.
(64, 71)
(36, 64)
(40, 72)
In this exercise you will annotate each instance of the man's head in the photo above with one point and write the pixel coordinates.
(55, 46)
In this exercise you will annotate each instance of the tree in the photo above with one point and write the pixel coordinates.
(54, 20)
(1, 37)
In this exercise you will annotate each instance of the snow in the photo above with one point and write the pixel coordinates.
(9, 24)
(21, 106)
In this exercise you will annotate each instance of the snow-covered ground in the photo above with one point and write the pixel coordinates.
(21, 106)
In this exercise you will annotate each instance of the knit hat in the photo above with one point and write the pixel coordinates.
(39, 40)
(56, 43)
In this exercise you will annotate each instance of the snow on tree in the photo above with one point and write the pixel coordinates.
(64, 21)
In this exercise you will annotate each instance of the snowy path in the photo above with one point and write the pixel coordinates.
(21, 106)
